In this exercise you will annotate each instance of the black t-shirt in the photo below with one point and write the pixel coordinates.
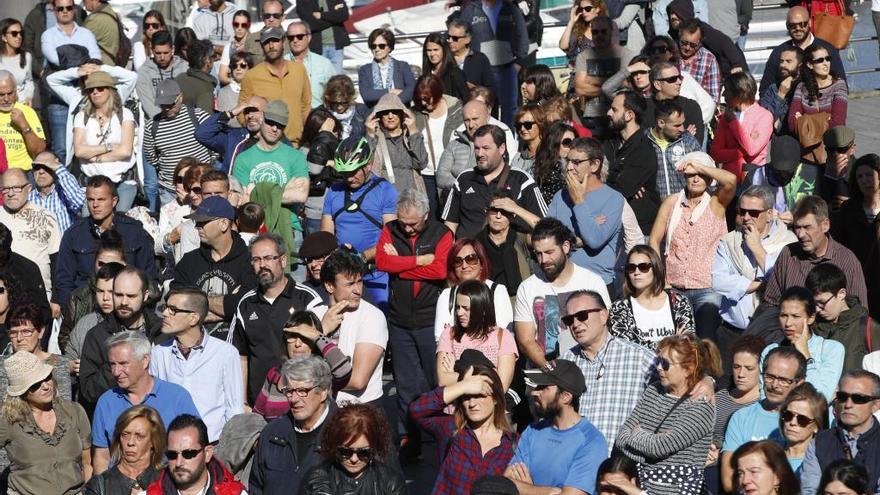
(305, 441)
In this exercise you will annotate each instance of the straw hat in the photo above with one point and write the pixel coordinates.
(24, 369)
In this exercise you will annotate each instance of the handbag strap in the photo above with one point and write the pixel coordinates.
(674, 407)
(386, 158)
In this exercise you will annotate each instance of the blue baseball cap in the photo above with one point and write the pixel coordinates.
(212, 208)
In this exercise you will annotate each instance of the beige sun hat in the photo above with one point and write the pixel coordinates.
(23, 370)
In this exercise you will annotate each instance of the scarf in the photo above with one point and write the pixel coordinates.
(345, 119)
(377, 75)
(701, 208)
(779, 237)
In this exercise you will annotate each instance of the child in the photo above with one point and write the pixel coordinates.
(249, 221)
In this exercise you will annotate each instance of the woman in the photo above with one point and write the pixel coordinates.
(41, 432)
(857, 224)
(385, 75)
(339, 100)
(320, 137)
(797, 315)
(241, 25)
(103, 137)
(648, 312)
(578, 35)
(549, 164)
(142, 50)
(558, 109)
(173, 213)
(184, 37)
(240, 63)
(355, 447)
(437, 116)
(303, 336)
(15, 59)
(744, 131)
(478, 397)
(618, 475)
(761, 469)
(399, 146)
(468, 261)
(509, 248)
(538, 85)
(693, 222)
(437, 61)
(801, 416)
(25, 328)
(668, 434)
(844, 477)
(137, 450)
(821, 90)
(529, 123)
(744, 387)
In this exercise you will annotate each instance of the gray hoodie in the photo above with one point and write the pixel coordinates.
(149, 76)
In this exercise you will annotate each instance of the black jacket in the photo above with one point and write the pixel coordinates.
(724, 49)
(332, 18)
(692, 115)
(633, 168)
(851, 228)
(329, 479)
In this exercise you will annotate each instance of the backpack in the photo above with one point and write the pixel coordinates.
(123, 54)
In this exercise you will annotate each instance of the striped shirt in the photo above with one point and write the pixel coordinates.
(65, 201)
(724, 409)
(175, 139)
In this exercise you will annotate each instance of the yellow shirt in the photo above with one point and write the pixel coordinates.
(293, 88)
(16, 151)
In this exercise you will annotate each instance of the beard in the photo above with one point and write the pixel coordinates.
(554, 270)
(616, 125)
(184, 478)
(549, 411)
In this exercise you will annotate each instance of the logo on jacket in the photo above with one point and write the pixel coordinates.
(253, 316)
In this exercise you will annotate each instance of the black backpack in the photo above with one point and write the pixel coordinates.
(123, 54)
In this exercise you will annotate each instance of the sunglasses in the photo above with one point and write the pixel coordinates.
(195, 189)
(298, 37)
(802, 421)
(567, 142)
(36, 386)
(273, 15)
(752, 213)
(525, 124)
(471, 259)
(663, 363)
(582, 316)
(639, 73)
(2, 290)
(792, 25)
(241, 24)
(187, 454)
(671, 79)
(641, 267)
(689, 44)
(95, 90)
(587, 9)
(860, 399)
(14, 34)
(659, 49)
(152, 25)
(274, 124)
(378, 46)
(64, 8)
(453, 38)
(241, 65)
(364, 454)
(495, 211)
(820, 60)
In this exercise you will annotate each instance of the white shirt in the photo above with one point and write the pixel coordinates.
(35, 235)
(443, 317)
(436, 127)
(109, 134)
(654, 324)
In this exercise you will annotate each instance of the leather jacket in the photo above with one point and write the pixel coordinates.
(328, 478)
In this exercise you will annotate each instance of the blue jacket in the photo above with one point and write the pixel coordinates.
(403, 79)
(511, 34)
(217, 136)
(76, 256)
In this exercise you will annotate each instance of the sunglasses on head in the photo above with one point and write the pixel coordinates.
(471, 259)
(671, 79)
(641, 267)
(378, 46)
(64, 8)
(525, 124)
(582, 316)
(752, 213)
(802, 421)
(187, 454)
(860, 399)
(241, 24)
(273, 15)
(826, 58)
(298, 37)
(152, 25)
(364, 454)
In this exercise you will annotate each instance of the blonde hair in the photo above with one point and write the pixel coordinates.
(16, 408)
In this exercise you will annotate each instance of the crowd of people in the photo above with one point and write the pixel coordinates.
(228, 267)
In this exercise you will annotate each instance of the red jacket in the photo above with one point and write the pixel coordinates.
(223, 482)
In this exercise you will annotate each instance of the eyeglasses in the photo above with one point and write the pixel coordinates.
(152, 25)
(779, 379)
(241, 24)
(298, 37)
(641, 267)
(241, 65)
(299, 392)
(859, 399)
(173, 310)
(826, 58)
(64, 8)
(752, 213)
(24, 332)
(378, 46)
(256, 260)
(582, 315)
(587, 9)
(14, 34)
(689, 44)
(471, 259)
(364, 454)
(659, 49)
(454, 38)
(793, 25)
(802, 421)
(671, 79)
(525, 124)
(566, 142)
(821, 304)
(577, 163)
(639, 73)
(273, 15)
(663, 363)
(187, 454)
(13, 189)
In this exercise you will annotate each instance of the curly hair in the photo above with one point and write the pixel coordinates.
(350, 422)
(547, 157)
(811, 85)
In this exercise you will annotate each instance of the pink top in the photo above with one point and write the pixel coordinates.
(488, 347)
(692, 249)
(743, 141)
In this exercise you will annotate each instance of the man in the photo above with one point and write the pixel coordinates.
(164, 64)
(840, 316)
(458, 155)
(730, 58)
(814, 246)
(197, 84)
(192, 466)
(577, 446)
(785, 175)
(57, 190)
(273, 17)
(541, 298)
(633, 169)
(41, 18)
(797, 22)
(35, 232)
(272, 160)
(185, 236)
(465, 210)
(671, 142)
(784, 369)
(413, 250)
(475, 65)
(498, 30)
(696, 60)
(313, 251)
(854, 436)
(76, 257)
(327, 20)
(219, 266)
(280, 465)
(215, 25)
(357, 208)
(130, 294)
(666, 81)
(216, 134)
(593, 67)
(280, 79)
(169, 136)
(319, 68)
(776, 96)
(197, 361)
(128, 354)
(104, 23)
(20, 128)
(262, 312)
(840, 143)
(744, 261)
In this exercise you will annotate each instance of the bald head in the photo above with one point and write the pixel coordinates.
(476, 115)
(13, 176)
(46, 157)
(798, 24)
(8, 93)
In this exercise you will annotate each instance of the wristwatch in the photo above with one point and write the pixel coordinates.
(108, 147)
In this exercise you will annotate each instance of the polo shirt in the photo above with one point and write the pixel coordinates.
(256, 329)
(16, 152)
(168, 399)
(470, 197)
(293, 88)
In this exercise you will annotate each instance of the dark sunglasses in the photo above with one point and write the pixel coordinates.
(639, 73)
(2, 290)
(364, 454)
(195, 189)
(298, 37)
(152, 25)
(671, 79)
(819, 60)
(802, 421)
(860, 399)
(241, 65)
(14, 34)
(64, 8)
(273, 15)
(663, 363)
(752, 213)
(659, 49)
(582, 315)
(36, 386)
(525, 124)
(471, 259)
(241, 24)
(495, 211)
(452, 37)
(642, 267)
(792, 25)
(687, 43)
(567, 142)
(272, 123)
(380, 46)
(95, 90)
(588, 9)
(187, 454)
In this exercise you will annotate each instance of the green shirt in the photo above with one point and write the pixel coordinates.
(278, 166)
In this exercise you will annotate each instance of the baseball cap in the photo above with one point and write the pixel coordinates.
(276, 111)
(561, 372)
(494, 485)
(212, 208)
(785, 154)
(167, 92)
(271, 34)
(317, 244)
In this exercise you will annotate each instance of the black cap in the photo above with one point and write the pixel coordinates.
(785, 154)
(469, 358)
(563, 373)
(317, 244)
(494, 485)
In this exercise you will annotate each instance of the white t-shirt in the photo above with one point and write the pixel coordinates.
(503, 310)
(541, 303)
(436, 126)
(654, 324)
(35, 235)
(112, 134)
(365, 325)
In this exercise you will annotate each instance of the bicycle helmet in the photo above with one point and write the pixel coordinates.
(352, 153)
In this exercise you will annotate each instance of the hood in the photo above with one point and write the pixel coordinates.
(238, 439)
(239, 249)
(849, 318)
(682, 8)
(178, 66)
(201, 75)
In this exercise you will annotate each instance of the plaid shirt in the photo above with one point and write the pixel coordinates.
(616, 380)
(65, 201)
(462, 457)
(703, 67)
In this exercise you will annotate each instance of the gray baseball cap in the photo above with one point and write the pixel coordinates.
(167, 92)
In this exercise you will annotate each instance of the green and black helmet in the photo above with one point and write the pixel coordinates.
(352, 154)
